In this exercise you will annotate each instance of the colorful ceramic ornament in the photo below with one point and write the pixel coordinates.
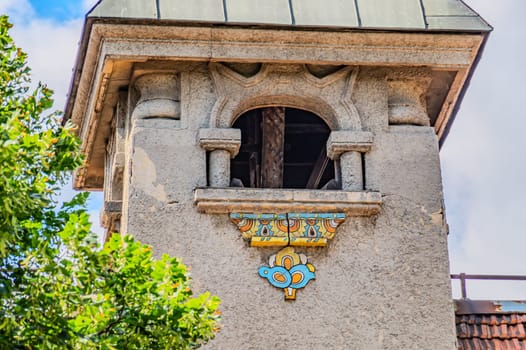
(288, 271)
(313, 229)
(262, 229)
(296, 229)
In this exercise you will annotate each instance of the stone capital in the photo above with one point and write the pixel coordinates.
(348, 140)
(159, 96)
(227, 139)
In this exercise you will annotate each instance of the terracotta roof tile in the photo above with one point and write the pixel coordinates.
(519, 331)
(491, 331)
(514, 319)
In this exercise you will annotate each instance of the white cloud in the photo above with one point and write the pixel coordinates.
(52, 48)
(16, 9)
(50, 45)
(483, 160)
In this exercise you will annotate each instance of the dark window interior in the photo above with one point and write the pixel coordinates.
(303, 152)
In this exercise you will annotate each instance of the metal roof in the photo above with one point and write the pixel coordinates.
(414, 15)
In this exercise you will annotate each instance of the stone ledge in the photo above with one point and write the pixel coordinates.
(264, 200)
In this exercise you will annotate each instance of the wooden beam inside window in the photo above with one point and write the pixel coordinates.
(273, 144)
(318, 170)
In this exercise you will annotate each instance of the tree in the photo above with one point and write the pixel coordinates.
(58, 289)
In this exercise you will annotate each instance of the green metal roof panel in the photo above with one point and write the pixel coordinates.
(415, 15)
(339, 13)
(196, 10)
(453, 15)
(446, 8)
(405, 14)
(125, 9)
(258, 11)
(457, 23)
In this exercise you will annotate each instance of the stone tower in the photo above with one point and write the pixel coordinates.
(288, 151)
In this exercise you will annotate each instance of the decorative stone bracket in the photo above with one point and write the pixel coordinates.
(160, 96)
(295, 229)
(406, 98)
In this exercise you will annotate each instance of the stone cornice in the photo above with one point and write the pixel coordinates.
(138, 43)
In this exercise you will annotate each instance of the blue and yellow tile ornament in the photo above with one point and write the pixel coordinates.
(313, 229)
(296, 229)
(289, 271)
(262, 230)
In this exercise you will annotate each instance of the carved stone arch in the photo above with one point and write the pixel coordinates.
(288, 86)
(307, 103)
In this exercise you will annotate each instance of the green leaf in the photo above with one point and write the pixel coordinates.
(58, 289)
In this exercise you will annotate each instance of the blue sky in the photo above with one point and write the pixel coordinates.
(58, 10)
(483, 159)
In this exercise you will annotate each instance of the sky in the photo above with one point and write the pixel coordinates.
(483, 162)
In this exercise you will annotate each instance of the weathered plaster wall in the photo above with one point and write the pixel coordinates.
(382, 283)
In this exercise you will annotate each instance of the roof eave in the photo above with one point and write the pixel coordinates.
(89, 21)
(464, 89)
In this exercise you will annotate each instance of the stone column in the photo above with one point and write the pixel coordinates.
(219, 168)
(351, 168)
(223, 144)
(347, 146)
(159, 96)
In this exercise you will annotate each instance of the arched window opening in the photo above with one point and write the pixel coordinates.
(283, 148)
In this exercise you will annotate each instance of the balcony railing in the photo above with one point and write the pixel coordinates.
(464, 277)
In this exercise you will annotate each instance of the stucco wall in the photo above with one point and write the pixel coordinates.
(382, 283)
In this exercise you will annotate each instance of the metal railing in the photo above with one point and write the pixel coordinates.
(464, 277)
